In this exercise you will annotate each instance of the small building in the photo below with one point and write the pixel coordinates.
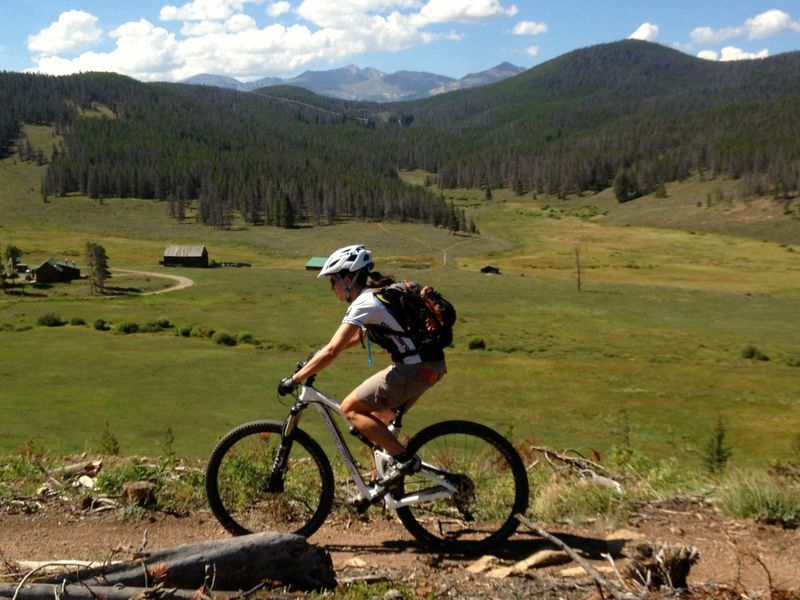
(185, 256)
(492, 269)
(56, 271)
(315, 263)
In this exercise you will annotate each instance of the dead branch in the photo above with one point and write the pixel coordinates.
(601, 581)
(581, 465)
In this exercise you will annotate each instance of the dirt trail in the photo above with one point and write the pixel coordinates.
(376, 547)
(181, 282)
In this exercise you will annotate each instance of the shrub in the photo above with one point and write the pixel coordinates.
(127, 327)
(111, 479)
(50, 320)
(756, 495)
(77, 321)
(573, 500)
(224, 339)
(245, 337)
(6, 327)
(108, 442)
(477, 344)
(101, 325)
(751, 352)
(202, 332)
(161, 323)
(184, 331)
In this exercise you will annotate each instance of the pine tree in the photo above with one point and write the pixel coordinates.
(98, 267)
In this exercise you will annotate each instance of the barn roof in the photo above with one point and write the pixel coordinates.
(58, 265)
(185, 251)
(316, 262)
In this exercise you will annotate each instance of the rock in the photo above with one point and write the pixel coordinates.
(140, 493)
(86, 481)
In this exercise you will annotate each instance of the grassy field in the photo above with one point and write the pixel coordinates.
(649, 352)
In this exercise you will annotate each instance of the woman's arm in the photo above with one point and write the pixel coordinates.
(346, 335)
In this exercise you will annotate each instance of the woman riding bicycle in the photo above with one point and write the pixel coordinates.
(369, 407)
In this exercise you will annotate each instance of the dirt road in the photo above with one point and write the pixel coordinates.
(181, 282)
(375, 547)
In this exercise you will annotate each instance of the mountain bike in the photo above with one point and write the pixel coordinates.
(270, 475)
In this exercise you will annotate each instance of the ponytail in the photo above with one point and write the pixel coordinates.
(376, 280)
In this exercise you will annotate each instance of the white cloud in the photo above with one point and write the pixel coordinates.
(532, 50)
(217, 36)
(276, 9)
(441, 11)
(142, 51)
(646, 31)
(767, 24)
(235, 24)
(730, 53)
(706, 35)
(529, 28)
(74, 31)
(203, 10)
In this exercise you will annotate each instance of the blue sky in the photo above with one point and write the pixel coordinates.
(249, 39)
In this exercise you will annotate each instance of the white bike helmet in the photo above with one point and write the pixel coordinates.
(349, 259)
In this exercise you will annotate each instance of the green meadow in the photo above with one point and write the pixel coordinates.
(650, 352)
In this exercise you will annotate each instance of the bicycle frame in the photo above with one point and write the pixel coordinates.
(327, 407)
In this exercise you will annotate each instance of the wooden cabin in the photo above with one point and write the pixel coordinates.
(57, 271)
(185, 256)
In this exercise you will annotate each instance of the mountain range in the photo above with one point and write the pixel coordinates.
(629, 115)
(370, 85)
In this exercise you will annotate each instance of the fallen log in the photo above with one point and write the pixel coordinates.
(48, 591)
(228, 564)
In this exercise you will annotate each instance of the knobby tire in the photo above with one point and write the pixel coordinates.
(239, 468)
(496, 486)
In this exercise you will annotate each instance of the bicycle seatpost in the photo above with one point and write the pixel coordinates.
(397, 422)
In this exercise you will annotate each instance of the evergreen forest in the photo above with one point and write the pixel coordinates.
(632, 115)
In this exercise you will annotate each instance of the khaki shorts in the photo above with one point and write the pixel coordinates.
(400, 384)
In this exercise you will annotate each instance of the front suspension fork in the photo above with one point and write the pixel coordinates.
(280, 464)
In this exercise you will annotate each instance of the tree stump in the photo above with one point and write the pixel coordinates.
(658, 565)
(140, 493)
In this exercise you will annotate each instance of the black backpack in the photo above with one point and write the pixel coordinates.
(425, 315)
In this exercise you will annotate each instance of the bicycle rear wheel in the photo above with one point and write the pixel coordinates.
(493, 482)
(240, 467)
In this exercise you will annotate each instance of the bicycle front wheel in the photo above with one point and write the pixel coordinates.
(239, 470)
(492, 481)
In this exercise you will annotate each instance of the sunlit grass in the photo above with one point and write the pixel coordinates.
(654, 337)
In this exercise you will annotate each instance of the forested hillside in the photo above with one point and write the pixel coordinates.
(273, 161)
(630, 114)
(631, 110)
